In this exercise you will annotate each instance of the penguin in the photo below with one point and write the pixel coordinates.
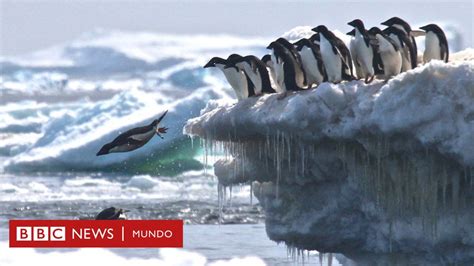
(404, 26)
(390, 56)
(237, 79)
(312, 61)
(336, 57)
(284, 68)
(405, 45)
(299, 71)
(436, 44)
(256, 70)
(362, 51)
(358, 70)
(267, 60)
(111, 213)
(134, 138)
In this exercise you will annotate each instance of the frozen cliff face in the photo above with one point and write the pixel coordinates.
(356, 168)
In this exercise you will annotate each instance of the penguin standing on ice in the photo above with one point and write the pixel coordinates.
(405, 45)
(284, 66)
(436, 44)
(134, 138)
(256, 70)
(300, 75)
(267, 60)
(312, 61)
(362, 51)
(405, 27)
(336, 57)
(389, 53)
(237, 79)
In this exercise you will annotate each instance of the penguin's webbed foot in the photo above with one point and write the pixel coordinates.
(161, 130)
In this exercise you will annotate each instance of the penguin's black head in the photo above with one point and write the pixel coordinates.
(375, 31)
(431, 27)
(301, 43)
(321, 28)
(214, 61)
(271, 45)
(352, 32)
(283, 41)
(358, 24)
(315, 38)
(397, 21)
(266, 58)
(105, 149)
(233, 57)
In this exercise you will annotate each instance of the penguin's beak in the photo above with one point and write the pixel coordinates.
(385, 23)
(351, 33)
(351, 24)
(209, 64)
(315, 29)
(103, 151)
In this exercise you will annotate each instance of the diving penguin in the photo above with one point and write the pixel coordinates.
(436, 44)
(134, 138)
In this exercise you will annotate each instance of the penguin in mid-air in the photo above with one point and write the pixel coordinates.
(404, 26)
(336, 57)
(267, 60)
(390, 56)
(405, 45)
(362, 51)
(436, 44)
(237, 79)
(111, 213)
(256, 70)
(283, 62)
(134, 138)
(312, 62)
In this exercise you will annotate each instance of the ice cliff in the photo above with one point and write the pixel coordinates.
(354, 168)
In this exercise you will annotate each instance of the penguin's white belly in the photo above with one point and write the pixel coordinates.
(358, 69)
(364, 57)
(255, 78)
(273, 78)
(279, 73)
(310, 66)
(405, 52)
(331, 61)
(237, 81)
(391, 58)
(144, 136)
(432, 48)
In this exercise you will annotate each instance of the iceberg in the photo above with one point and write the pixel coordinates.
(354, 168)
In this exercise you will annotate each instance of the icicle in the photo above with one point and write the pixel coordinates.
(251, 193)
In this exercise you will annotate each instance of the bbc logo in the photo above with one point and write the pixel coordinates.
(41, 233)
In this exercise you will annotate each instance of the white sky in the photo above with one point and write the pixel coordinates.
(27, 25)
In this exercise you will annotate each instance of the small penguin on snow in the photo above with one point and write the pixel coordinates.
(134, 138)
(405, 27)
(283, 62)
(362, 51)
(390, 56)
(256, 70)
(237, 79)
(405, 45)
(300, 75)
(312, 62)
(436, 44)
(336, 56)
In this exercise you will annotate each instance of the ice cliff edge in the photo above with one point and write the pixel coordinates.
(379, 168)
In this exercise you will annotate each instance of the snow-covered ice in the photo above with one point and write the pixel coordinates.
(384, 167)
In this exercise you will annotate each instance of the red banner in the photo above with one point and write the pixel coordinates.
(96, 233)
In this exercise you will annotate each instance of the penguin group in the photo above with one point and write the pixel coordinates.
(308, 62)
